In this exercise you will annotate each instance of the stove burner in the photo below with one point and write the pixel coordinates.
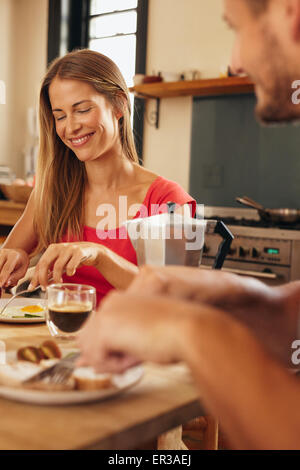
(256, 223)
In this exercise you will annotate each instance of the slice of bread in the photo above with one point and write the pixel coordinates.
(87, 379)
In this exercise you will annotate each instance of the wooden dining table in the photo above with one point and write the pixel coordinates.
(164, 398)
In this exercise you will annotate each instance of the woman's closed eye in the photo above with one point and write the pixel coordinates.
(81, 111)
(84, 110)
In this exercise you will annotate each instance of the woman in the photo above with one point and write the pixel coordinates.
(87, 166)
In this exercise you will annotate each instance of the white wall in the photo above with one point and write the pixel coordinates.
(23, 61)
(6, 74)
(182, 35)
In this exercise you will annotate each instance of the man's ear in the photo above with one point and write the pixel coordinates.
(293, 10)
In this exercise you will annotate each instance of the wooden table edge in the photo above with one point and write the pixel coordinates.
(155, 427)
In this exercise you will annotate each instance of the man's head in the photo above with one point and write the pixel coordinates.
(267, 48)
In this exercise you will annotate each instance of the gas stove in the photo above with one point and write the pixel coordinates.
(266, 251)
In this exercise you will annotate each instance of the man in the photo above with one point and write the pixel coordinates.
(233, 332)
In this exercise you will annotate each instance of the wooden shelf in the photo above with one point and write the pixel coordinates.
(208, 87)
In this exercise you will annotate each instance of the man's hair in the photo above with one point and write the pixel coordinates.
(257, 6)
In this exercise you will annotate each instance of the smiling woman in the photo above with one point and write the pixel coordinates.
(87, 162)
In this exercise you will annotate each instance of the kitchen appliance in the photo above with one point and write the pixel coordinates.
(280, 216)
(265, 250)
(175, 239)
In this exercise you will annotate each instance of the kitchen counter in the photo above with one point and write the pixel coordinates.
(163, 399)
(10, 212)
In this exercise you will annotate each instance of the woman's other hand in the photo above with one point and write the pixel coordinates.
(60, 258)
(13, 266)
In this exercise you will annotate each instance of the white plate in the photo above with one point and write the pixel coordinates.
(19, 302)
(121, 383)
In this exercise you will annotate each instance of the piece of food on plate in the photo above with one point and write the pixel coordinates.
(50, 350)
(12, 375)
(30, 354)
(47, 350)
(27, 311)
(87, 379)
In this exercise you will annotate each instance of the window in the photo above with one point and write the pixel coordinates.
(112, 31)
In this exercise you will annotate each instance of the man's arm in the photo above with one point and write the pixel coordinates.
(254, 397)
(272, 313)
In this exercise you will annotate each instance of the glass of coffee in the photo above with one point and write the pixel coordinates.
(68, 307)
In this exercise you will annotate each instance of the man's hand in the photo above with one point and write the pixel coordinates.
(270, 312)
(134, 327)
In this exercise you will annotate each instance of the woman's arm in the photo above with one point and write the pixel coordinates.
(118, 271)
(67, 257)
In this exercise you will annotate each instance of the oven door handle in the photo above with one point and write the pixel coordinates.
(242, 272)
(252, 273)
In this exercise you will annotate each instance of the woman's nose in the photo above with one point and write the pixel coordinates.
(72, 125)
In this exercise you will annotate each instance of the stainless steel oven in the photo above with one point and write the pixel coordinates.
(269, 253)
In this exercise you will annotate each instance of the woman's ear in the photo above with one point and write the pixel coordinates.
(121, 103)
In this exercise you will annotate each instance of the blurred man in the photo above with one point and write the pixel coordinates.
(233, 332)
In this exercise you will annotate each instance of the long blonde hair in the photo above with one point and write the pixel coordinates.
(61, 177)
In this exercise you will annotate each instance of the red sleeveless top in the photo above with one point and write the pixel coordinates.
(159, 193)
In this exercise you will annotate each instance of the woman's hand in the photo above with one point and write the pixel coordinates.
(13, 266)
(60, 258)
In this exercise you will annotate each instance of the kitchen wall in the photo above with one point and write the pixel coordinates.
(23, 60)
(182, 35)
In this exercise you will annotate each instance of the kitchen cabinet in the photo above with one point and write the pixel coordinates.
(10, 212)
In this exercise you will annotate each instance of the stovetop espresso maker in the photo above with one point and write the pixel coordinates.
(175, 239)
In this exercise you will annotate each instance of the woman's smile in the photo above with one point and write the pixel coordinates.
(81, 140)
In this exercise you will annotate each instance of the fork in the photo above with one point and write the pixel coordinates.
(22, 292)
(26, 291)
(56, 374)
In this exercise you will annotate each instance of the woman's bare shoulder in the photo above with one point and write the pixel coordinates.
(144, 176)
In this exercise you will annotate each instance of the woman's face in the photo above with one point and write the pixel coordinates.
(84, 120)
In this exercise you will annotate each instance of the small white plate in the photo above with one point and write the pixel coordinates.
(121, 383)
(22, 302)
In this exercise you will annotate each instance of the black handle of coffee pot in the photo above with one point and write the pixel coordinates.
(224, 247)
